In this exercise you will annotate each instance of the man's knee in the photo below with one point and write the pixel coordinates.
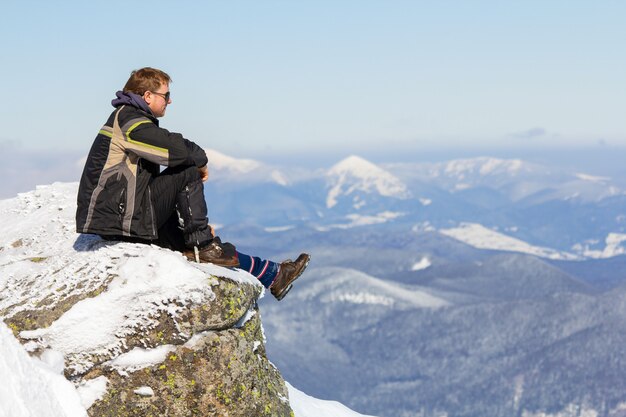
(192, 174)
(180, 177)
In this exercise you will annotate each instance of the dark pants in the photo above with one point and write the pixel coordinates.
(180, 208)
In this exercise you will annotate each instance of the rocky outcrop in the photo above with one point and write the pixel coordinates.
(145, 330)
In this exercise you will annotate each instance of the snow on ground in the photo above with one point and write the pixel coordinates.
(337, 284)
(306, 406)
(92, 390)
(360, 298)
(422, 264)
(139, 358)
(356, 220)
(461, 168)
(39, 246)
(425, 201)
(276, 229)
(613, 247)
(592, 178)
(481, 237)
(29, 387)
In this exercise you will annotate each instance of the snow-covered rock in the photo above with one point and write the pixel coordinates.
(137, 328)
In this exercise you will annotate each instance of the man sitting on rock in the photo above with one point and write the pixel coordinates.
(124, 196)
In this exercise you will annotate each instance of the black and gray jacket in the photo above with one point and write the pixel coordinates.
(114, 193)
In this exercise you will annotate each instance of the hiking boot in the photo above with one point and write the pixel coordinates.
(289, 271)
(216, 252)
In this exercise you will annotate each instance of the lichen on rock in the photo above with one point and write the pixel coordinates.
(223, 373)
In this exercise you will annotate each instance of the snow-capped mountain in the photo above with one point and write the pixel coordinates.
(219, 161)
(354, 176)
(229, 169)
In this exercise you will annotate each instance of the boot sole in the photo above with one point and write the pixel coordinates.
(284, 293)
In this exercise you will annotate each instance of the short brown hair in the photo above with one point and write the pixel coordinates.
(146, 79)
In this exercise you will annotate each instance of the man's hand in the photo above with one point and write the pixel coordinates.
(204, 173)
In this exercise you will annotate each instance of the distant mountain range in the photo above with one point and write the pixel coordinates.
(471, 288)
(485, 202)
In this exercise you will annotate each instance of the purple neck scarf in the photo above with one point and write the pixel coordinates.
(131, 99)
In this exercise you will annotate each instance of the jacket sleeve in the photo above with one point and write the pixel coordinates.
(197, 153)
(162, 147)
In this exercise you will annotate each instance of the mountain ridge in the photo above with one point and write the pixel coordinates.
(520, 201)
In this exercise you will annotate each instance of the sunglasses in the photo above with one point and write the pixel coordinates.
(166, 96)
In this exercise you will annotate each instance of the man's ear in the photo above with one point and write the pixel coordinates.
(147, 97)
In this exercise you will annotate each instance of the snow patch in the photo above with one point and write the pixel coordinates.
(276, 229)
(421, 265)
(279, 177)
(335, 284)
(423, 227)
(29, 387)
(144, 391)
(304, 405)
(54, 360)
(362, 220)
(361, 298)
(246, 317)
(140, 358)
(592, 178)
(613, 247)
(92, 390)
(483, 166)
(481, 237)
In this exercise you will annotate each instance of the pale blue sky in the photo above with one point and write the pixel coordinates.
(269, 77)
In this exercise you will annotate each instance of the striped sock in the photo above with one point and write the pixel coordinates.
(264, 270)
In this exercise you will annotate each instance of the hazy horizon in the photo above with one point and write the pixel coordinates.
(27, 168)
